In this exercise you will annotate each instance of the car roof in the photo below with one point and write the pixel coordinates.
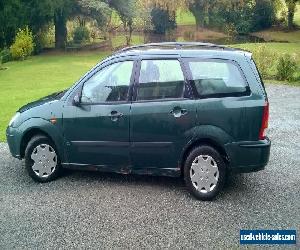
(183, 49)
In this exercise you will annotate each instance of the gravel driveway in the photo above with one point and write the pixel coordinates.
(96, 210)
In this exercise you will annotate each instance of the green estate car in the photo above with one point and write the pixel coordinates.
(195, 110)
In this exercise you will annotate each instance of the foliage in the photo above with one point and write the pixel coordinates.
(291, 6)
(246, 15)
(23, 44)
(98, 10)
(230, 29)
(40, 14)
(169, 5)
(241, 16)
(81, 34)
(9, 21)
(162, 21)
(199, 9)
(286, 68)
(265, 59)
(5, 55)
(127, 12)
(45, 38)
(263, 15)
(276, 50)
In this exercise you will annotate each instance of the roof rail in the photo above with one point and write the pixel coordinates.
(175, 45)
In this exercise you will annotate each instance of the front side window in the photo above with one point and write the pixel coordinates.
(216, 77)
(111, 84)
(160, 79)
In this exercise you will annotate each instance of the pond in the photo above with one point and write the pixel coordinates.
(237, 39)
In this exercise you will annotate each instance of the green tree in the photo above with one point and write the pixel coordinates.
(264, 14)
(9, 21)
(162, 20)
(199, 8)
(127, 12)
(95, 9)
(39, 13)
(291, 6)
(61, 13)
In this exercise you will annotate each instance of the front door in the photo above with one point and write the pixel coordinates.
(97, 131)
(162, 115)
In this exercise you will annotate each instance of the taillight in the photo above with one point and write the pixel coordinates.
(265, 122)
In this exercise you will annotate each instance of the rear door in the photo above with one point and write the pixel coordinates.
(162, 114)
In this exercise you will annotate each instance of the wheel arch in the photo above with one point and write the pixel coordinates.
(28, 135)
(199, 142)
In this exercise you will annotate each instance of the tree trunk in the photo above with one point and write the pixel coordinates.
(199, 21)
(199, 17)
(130, 25)
(291, 13)
(60, 23)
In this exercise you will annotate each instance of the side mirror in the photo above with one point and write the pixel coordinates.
(76, 100)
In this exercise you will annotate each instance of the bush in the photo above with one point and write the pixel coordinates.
(265, 60)
(81, 34)
(23, 45)
(286, 68)
(45, 38)
(5, 56)
(162, 21)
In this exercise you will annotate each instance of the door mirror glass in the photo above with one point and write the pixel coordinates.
(76, 100)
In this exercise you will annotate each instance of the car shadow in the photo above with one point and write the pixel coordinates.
(91, 176)
(234, 182)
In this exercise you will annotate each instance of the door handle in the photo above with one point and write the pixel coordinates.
(178, 112)
(115, 115)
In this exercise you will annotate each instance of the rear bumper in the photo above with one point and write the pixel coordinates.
(248, 156)
(14, 140)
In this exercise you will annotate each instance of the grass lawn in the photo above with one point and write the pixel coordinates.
(38, 76)
(185, 18)
(120, 40)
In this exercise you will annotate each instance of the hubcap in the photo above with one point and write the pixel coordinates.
(204, 173)
(44, 160)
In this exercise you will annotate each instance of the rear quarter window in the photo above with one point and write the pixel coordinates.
(216, 78)
(256, 73)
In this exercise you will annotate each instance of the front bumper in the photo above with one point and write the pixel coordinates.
(14, 141)
(248, 156)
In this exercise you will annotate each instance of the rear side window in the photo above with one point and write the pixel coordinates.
(160, 79)
(217, 78)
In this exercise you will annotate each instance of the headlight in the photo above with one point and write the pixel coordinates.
(13, 119)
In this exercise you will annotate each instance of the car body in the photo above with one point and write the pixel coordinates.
(155, 104)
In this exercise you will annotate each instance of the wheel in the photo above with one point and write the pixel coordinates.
(204, 172)
(41, 159)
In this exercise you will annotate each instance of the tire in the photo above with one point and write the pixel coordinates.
(202, 184)
(41, 156)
